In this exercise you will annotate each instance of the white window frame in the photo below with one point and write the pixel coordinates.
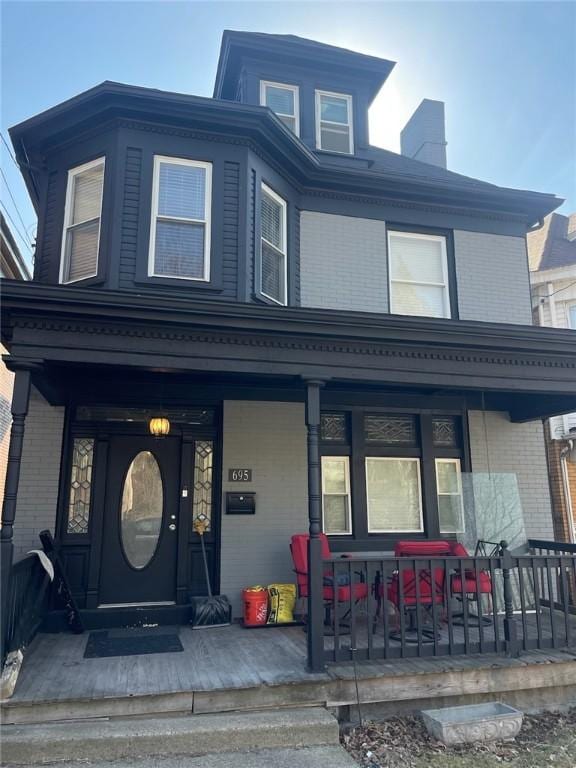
(460, 494)
(207, 221)
(264, 84)
(283, 251)
(319, 121)
(72, 173)
(421, 505)
(571, 306)
(346, 461)
(445, 274)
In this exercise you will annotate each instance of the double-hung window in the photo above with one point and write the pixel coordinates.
(572, 316)
(81, 237)
(273, 266)
(334, 131)
(336, 507)
(180, 224)
(418, 274)
(450, 502)
(283, 100)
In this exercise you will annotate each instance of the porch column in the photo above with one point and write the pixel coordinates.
(315, 604)
(20, 401)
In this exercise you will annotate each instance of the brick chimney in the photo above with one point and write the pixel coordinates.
(423, 137)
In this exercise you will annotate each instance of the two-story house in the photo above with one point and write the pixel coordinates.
(328, 336)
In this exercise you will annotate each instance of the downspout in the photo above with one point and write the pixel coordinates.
(566, 486)
(552, 302)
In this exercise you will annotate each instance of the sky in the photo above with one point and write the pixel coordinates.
(505, 70)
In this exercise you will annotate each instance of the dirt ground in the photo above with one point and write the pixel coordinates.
(544, 740)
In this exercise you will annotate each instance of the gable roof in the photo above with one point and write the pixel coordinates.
(550, 247)
(295, 50)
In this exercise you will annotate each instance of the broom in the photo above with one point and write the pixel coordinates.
(214, 610)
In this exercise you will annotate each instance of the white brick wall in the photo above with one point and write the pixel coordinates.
(39, 474)
(517, 448)
(343, 263)
(493, 278)
(269, 438)
(344, 266)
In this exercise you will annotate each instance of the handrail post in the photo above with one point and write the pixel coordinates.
(19, 409)
(315, 568)
(510, 628)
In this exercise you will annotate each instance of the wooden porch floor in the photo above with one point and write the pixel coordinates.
(231, 668)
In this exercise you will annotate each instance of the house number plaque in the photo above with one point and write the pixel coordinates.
(239, 475)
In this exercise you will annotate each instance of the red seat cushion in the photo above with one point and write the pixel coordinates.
(470, 586)
(422, 549)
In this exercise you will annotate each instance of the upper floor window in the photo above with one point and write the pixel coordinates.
(418, 274)
(82, 214)
(273, 251)
(283, 100)
(572, 316)
(180, 224)
(334, 122)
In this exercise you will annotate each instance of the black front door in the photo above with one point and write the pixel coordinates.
(139, 544)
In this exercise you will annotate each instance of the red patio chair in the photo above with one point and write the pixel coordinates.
(466, 587)
(420, 586)
(344, 592)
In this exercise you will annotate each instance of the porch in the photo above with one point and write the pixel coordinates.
(234, 669)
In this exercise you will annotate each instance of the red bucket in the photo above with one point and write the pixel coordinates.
(255, 601)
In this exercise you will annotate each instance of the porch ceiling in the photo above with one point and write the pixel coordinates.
(526, 370)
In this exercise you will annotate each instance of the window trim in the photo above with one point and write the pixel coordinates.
(265, 189)
(350, 124)
(154, 216)
(346, 460)
(458, 463)
(446, 285)
(72, 173)
(289, 87)
(420, 496)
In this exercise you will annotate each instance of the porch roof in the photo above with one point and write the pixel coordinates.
(529, 371)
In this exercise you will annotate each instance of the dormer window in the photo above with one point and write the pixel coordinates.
(81, 238)
(283, 100)
(334, 122)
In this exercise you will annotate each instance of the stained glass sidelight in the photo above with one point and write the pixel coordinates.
(444, 432)
(80, 485)
(333, 427)
(390, 430)
(203, 467)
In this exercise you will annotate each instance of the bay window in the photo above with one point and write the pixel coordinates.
(180, 223)
(334, 131)
(82, 214)
(418, 274)
(283, 100)
(273, 248)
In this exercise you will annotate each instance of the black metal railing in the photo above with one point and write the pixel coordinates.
(401, 607)
(27, 604)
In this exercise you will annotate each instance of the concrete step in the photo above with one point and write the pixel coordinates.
(302, 757)
(189, 735)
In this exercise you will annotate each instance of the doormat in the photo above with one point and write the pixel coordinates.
(130, 642)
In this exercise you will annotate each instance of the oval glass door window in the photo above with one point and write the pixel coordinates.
(142, 509)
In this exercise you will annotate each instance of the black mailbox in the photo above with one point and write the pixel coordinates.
(241, 503)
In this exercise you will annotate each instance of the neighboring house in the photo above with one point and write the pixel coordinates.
(552, 256)
(339, 336)
(13, 267)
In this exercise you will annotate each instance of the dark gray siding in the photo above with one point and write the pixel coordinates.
(47, 251)
(230, 242)
(130, 215)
